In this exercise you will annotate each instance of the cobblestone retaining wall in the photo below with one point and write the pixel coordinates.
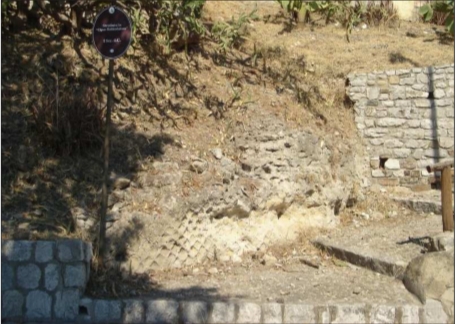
(407, 120)
(43, 280)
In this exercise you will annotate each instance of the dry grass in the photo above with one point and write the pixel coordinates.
(374, 201)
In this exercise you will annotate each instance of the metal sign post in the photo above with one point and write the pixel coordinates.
(111, 37)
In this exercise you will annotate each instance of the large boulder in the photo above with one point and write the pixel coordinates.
(442, 242)
(430, 275)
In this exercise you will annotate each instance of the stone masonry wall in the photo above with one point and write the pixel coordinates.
(43, 280)
(407, 120)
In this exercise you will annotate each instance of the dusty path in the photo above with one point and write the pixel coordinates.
(288, 280)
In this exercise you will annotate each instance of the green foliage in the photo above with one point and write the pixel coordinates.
(173, 23)
(6, 4)
(231, 34)
(178, 22)
(294, 8)
(350, 16)
(138, 22)
(300, 10)
(428, 12)
(347, 13)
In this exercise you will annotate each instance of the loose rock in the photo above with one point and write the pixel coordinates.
(268, 260)
(217, 153)
(199, 166)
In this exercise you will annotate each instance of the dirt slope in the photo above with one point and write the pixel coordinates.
(172, 111)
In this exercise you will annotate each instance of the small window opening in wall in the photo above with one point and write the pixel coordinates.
(382, 162)
(431, 95)
(83, 310)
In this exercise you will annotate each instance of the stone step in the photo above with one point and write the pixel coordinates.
(420, 205)
(386, 266)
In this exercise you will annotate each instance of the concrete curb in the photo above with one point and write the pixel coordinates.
(171, 311)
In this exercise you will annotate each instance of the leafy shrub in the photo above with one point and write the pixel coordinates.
(347, 13)
(174, 23)
(178, 23)
(70, 121)
(438, 12)
(6, 7)
(295, 8)
(231, 34)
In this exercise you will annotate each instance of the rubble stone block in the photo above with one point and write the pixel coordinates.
(51, 276)
(38, 305)
(7, 277)
(249, 313)
(299, 313)
(28, 276)
(44, 251)
(70, 250)
(272, 313)
(17, 250)
(434, 312)
(223, 313)
(350, 314)
(75, 276)
(162, 311)
(133, 312)
(392, 164)
(194, 312)
(106, 311)
(382, 314)
(410, 314)
(12, 303)
(67, 304)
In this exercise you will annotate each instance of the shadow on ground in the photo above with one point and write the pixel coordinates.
(46, 192)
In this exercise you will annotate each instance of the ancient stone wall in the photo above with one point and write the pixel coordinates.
(406, 118)
(43, 280)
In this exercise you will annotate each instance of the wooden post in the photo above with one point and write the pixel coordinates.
(447, 205)
(105, 193)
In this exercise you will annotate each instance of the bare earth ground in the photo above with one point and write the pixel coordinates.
(295, 282)
(32, 199)
(289, 280)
